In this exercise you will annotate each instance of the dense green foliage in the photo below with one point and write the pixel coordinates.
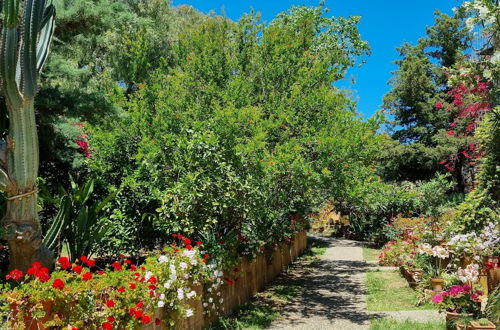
(243, 134)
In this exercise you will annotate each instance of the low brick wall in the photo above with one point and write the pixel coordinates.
(254, 275)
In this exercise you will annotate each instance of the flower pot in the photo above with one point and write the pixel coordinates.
(452, 320)
(437, 284)
(474, 325)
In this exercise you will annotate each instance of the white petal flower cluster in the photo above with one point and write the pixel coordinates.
(469, 274)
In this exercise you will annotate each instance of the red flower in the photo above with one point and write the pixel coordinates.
(187, 241)
(84, 259)
(132, 286)
(117, 266)
(128, 261)
(174, 235)
(133, 268)
(122, 256)
(451, 133)
(199, 243)
(109, 303)
(77, 269)
(146, 319)
(157, 321)
(206, 255)
(121, 289)
(64, 262)
(87, 276)
(204, 261)
(111, 319)
(439, 105)
(58, 284)
(140, 304)
(138, 314)
(189, 247)
(42, 274)
(100, 272)
(90, 263)
(131, 311)
(107, 326)
(14, 275)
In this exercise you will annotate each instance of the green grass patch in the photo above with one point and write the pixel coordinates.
(263, 309)
(388, 291)
(371, 255)
(391, 324)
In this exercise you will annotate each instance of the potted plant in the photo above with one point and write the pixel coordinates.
(433, 265)
(459, 301)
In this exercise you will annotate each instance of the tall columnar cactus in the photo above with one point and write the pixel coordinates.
(27, 29)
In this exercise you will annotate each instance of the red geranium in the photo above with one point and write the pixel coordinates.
(58, 284)
(14, 275)
(87, 276)
(146, 319)
(109, 303)
(107, 326)
(77, 269)
(117, 266)
(64, 263)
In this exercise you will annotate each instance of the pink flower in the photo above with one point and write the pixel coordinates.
(437, 299)
(439, 105)
(451, 133)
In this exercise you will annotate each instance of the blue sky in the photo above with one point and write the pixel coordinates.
(385, 24)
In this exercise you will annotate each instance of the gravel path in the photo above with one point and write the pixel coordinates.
(333, 294)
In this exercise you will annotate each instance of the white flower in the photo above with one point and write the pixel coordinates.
(210, 300)
(148, 275)
(180, 294)
(162, 259)
(194, 262)
(189, 253)
(205, 304)
(183, 265)
(162, 296)
(440, 252)
(191, 294)
(469, 274)
(189, 312)
(161, 303)
(221, 300)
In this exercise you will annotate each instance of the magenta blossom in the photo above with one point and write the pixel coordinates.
(437, 299)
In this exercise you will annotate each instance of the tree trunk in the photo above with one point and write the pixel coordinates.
(24, 233)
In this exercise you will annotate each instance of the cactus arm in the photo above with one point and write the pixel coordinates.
(46, 33)
(32, 20)
(8, 64)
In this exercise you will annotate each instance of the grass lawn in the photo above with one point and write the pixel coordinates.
(371, 255)
(390, 324)
(388, 291)
(259, 312)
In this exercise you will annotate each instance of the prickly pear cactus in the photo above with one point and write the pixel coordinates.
(27, 29)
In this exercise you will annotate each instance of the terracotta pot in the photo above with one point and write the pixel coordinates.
(437, 284)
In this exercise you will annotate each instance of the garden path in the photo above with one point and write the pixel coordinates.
(333, 293)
